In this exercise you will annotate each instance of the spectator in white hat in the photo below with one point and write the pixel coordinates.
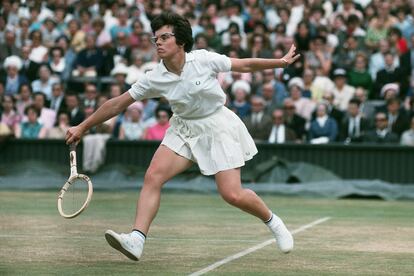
(13, 79)
(240, 91)
(342, 91)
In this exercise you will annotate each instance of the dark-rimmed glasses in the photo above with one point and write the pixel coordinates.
(163, 37)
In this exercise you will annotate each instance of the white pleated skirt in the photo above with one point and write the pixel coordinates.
(216, 143)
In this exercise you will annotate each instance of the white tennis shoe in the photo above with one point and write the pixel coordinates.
(284, 238)
(129, 245)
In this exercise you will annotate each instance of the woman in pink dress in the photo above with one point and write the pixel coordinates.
(157, 131)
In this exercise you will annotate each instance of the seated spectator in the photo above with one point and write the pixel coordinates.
(89, 62)
(240, 105)
(280, 133)
(377, 60)
(9, 116)
(390, 74)
(308, 78)
(38, 53)
(57, 101)
(304, 106)
(354, 125)
(122, 25)
(146, 49)
(30, 69)
(270, 97)
(398, 119)
(323, 129)
(13, 80)
(258, 123)
(74, 109)
(376, 32)
(76, 35)
(8, 47)
(345, 54)
(31, 129)
(103, 37)
(381, 134)
(49, 32)
(91, 96)
(407, 138)
(259, 46)
(333, 112)
(318, 57)
(343, 92)
(157, 131)
(119, 73)
(294, 121)
(57, 62)
(47, 116)
(60, 128)
(134, 70)
(132, 126)
(137, 29)
(24, 98)
(397, 41)
(359, 76)
(366, 108)
(121, 52)
(45, 82)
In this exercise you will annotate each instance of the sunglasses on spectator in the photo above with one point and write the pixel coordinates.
(163, 37)
(380, 119)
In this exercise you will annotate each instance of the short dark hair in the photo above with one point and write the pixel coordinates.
(181, 28)
(32, 107)
(355, 101)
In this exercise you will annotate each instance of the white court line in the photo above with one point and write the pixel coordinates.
(254, 248)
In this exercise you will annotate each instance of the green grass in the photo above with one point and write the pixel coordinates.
(363, 237)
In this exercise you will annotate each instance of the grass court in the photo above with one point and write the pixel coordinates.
(194, 231)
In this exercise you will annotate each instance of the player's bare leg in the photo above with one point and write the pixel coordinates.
(164, 165)
(229, 186)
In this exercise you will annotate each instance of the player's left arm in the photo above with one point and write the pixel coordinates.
(257, 64)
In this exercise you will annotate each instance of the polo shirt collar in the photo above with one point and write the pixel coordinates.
(188, 57)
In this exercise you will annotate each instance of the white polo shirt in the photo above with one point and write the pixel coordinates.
(195, 93)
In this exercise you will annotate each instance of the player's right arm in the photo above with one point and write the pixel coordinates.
(108, 110)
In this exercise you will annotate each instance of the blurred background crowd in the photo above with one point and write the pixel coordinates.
(60, 60)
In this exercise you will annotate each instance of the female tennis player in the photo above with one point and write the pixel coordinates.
(202, 130)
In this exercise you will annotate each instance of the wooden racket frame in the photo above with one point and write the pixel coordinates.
(73, 176)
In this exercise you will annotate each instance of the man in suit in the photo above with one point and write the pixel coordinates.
(280, 133)
(57, 100)
(398, 119)
(73, 108)
(294, 121)
(354, 125)
(381, 134)
(367, 110)
(8, 48)
(258, 123)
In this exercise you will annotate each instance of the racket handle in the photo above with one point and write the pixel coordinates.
(72, 147)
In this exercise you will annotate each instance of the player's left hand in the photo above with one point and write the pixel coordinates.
(291, 56)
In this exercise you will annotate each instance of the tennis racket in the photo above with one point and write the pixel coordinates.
(76, 194)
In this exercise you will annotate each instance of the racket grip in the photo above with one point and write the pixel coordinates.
(72, 147)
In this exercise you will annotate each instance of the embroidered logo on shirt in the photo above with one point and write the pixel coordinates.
(198, 82)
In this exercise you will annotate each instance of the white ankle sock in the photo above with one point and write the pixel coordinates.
(139, 235)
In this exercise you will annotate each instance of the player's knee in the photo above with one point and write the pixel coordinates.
(154, 177)
(232, 197)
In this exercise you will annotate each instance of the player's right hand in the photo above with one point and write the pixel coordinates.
(73, 135)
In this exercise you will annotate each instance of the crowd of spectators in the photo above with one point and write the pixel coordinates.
(62, 59)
